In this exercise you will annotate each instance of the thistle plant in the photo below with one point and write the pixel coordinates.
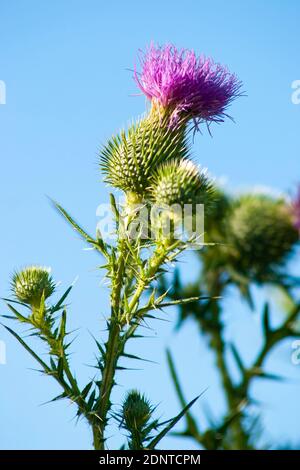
(150, 162)
(255, 237)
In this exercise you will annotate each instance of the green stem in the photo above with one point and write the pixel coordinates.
(116, 341)
(114, 349)
(155, 262)
(240, 438)
(113, 352)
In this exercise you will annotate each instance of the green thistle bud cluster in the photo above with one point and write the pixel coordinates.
(128, 160)
(261, 232)
(181, 183)
(32, 284)
(136, 411)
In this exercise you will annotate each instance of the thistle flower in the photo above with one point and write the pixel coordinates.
(262, 234)
(181, 183)
(32, 284)
(186, 85)
(136, 411)
(129, 159)
(296, 210)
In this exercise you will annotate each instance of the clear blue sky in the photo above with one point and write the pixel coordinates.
(65, 65)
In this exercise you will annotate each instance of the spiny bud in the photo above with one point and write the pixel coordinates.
(181, 182)
(129, 159)
(136, 411)
(31, 284)
(261, 232)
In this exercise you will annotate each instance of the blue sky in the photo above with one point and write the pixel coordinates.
(66, 69)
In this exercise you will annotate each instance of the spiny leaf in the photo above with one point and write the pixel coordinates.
(53, 364)
(190, 420)
(58, 397)
(62, 330)
(59, 304)
(16, 302)
(33, 354)
(96, 243)
(267, 375)
(86, 390)
(91, 400)
(60, 367)
(171, 424)
(137, 358)
(185, 301)
(114, 208)
(20, 317)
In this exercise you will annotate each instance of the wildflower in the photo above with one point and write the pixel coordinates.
(32, 284)
(186, 86)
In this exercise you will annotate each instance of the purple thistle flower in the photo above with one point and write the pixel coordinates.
(296, 210)
(186, 85)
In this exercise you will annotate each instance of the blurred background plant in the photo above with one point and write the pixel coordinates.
(256, 236)
(150, 162)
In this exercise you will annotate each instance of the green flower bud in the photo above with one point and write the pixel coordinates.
(129, 159)
(181, 182)
(261, 233)
(136, 411)
(31, 284)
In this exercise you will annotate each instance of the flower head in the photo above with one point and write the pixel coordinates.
(261, 232)
(136, 411)
(185, 85)
(32, 284)
(296, 210)
(181, 182)
(129, 159)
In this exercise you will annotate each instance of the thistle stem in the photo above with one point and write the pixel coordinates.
(114, 349)
(240, 438)
(113, 352)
